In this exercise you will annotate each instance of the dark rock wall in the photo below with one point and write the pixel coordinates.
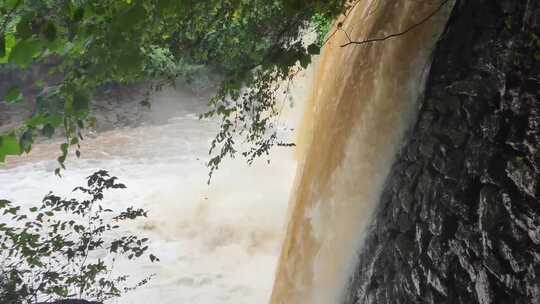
(459, 219)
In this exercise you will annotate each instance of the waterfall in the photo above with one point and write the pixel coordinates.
(362, 101)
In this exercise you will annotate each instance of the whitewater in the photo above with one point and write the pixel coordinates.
(217, 243)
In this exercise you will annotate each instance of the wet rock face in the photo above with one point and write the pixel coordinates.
(459, 220)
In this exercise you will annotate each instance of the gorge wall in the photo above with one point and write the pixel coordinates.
(459, 217)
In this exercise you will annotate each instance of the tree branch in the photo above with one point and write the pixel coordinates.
(410, 28)
(346, 15)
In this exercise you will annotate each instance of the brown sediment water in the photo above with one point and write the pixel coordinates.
(362, 101)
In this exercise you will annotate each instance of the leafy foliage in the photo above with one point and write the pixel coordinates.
(52, 251)
(322, 25)
(253, 43)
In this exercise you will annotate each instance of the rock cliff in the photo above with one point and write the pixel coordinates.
(459, 219)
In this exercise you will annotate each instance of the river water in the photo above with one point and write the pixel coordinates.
(217, 243)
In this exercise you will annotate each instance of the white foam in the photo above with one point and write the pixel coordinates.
(217, 243)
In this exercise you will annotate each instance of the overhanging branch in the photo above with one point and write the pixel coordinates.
(410, 28)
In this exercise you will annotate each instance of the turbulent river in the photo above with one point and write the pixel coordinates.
(217, 243)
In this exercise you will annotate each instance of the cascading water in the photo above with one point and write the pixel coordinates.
(361, 104)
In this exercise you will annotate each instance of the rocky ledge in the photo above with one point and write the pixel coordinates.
(459, 219)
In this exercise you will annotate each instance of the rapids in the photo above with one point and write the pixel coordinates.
(217, 243)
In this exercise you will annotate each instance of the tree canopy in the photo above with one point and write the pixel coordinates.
(252, 43)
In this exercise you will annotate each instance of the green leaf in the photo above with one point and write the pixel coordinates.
(78, 14)
(4, 203)
(131, 17)
(292, 6)
(24, 27)
(13, 95)
(62, 158)
(11, 4)
(9, 42)
(48, 130)
(153, 258)
(24, 51)
(64, 148)
(26, 141)
(164, 5)
(305, 60)
(314, 49)
(130, 61)
(41, 120)
(9, 145)
(81, 102)
(49, 31)
(55, 120)
(2, 46)
(34, 261)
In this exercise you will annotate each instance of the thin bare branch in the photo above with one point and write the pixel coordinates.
(410, 28)
(346, 15)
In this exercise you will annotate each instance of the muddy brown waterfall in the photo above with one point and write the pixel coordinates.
(362, 101)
